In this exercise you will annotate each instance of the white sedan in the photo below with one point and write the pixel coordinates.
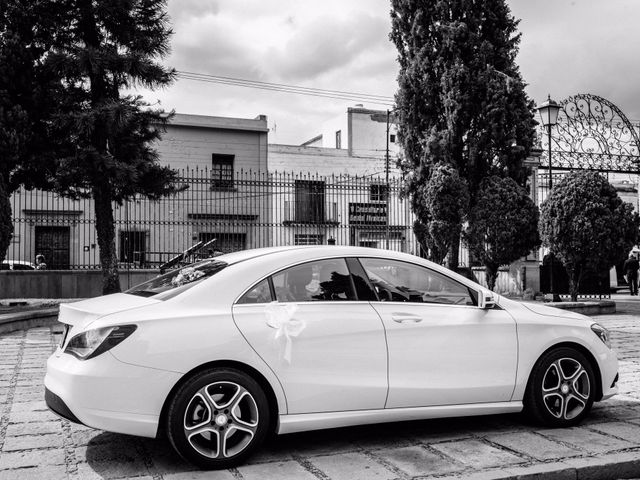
(217, 355)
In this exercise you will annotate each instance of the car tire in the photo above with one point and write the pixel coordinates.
(217, 418)
(561, 388)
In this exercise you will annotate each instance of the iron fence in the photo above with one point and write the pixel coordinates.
(250, 210)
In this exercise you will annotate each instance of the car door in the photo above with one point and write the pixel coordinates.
(327, 348)
(443, 349)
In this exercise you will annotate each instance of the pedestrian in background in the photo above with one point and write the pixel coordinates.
(40, 263)
(631, 266)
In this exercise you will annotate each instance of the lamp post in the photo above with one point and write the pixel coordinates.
(549, 116)
(387, 189)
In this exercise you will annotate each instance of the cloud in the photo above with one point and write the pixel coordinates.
(567, 47)
(573, 47)
(326, 44)
(182, 10)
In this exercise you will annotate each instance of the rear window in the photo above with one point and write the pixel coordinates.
(178, 280)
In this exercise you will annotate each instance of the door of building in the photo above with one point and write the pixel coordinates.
(225, 242)
(54, 244)
(133, 247)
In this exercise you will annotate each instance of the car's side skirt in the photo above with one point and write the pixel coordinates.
(319, 421)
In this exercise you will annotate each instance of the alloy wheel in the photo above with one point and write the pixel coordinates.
(221, 419)
(566, 388)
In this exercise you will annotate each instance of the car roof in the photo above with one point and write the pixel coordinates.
(242, 255)
(321, 251)
(315, 250)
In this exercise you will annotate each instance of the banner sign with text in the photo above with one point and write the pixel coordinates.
(368, 213)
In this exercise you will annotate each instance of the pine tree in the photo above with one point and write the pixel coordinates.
(27, 99)
(108, 46)
(460, 98)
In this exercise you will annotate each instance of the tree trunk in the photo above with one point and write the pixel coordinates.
(491, 272)
(6, 224)
(106, 241)
(454, 252)
(574, 282)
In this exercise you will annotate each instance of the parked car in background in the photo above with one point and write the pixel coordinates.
(17, 265)
(218, 354)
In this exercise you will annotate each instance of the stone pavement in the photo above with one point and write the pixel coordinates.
(36, 444)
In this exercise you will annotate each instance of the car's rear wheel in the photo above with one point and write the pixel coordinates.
(217, 418)
(561, 389)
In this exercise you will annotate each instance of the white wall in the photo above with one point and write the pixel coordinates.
(325, 161)
(368, 133)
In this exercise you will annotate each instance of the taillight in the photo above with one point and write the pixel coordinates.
(92, 343)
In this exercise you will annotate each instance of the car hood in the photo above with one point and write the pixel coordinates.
(553, 312)
(80, 314)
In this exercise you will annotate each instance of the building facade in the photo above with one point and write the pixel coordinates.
(346, 188)
(213, 156)
(361, 132)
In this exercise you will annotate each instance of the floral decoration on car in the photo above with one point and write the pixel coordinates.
(186, 275)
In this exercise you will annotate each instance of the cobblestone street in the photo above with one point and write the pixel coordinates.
(36, 444)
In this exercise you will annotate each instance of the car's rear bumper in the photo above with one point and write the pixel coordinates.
(107, 394)
(57, 405)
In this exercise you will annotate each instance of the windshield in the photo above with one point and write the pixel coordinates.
(178, 280)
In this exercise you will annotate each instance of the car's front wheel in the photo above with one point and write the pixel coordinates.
(217, 418)
(561, 389)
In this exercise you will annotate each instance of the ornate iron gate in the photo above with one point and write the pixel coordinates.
(591, 134)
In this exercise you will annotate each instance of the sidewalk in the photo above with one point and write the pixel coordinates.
(36, 444)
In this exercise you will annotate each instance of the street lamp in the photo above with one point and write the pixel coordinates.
(386, 170)
(549, 111)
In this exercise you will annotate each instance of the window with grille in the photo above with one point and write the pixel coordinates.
(378, 192)
(309, 201)
(308, 239)
(225, 242)
(222, 171)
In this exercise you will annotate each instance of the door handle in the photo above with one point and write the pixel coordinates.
(405, 317)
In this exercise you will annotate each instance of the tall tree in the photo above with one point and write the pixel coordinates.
(587, 226)
(503, 225)
(109, 46)
(460, 98)
(28, 96)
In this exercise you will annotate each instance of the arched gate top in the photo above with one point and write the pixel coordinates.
(594, 134)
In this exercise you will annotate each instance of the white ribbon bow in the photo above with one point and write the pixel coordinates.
(281, 317)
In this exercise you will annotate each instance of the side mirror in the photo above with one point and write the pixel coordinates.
(486, 300)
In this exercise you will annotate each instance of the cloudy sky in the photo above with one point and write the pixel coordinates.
(567, 47)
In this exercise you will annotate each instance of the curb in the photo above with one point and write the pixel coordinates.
(10, 322)
(615, 466)
(600, 307)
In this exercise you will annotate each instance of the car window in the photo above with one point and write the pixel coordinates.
(177, 280)
(4, 266)
(396, 281)
(323, 280)
(364, 289)
(261, 293)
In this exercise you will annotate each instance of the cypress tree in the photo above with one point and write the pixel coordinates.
(460, 98)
